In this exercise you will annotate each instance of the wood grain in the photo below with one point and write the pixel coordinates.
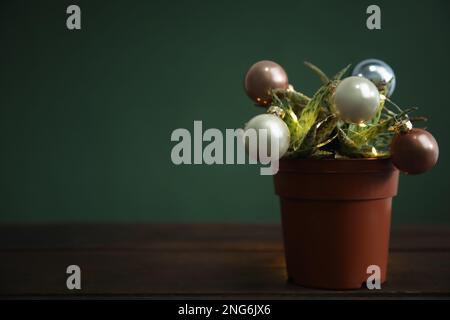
(196, 261)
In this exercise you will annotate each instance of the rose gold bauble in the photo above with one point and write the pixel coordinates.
(415, 151)
(261, 78)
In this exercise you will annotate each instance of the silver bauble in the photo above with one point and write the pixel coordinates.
(379, 72)
(356, 99)
(276, 129)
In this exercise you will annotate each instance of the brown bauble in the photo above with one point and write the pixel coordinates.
(261, 78)
(415, 151)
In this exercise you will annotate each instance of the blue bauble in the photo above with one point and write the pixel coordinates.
(379, 72)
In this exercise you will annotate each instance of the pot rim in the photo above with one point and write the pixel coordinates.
(350, 165)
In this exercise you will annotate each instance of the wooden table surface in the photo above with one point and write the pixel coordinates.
(197, 261)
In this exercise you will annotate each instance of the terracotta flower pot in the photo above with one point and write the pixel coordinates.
(336, 218)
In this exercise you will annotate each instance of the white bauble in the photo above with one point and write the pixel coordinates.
(276, 129)
(356, 99)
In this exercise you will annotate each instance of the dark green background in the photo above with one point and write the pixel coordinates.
(86, 116)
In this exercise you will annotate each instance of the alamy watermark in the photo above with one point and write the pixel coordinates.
(231, 148)
(374, 280)
(73, 281)
(373, 22)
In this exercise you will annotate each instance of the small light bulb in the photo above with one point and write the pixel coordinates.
(293, 115)
(374, 151)
(409, 125)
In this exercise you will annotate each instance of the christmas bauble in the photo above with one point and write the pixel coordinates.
(415, 151)
(261, 78)
(379, 72)
(276, 130)
(356, 99)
